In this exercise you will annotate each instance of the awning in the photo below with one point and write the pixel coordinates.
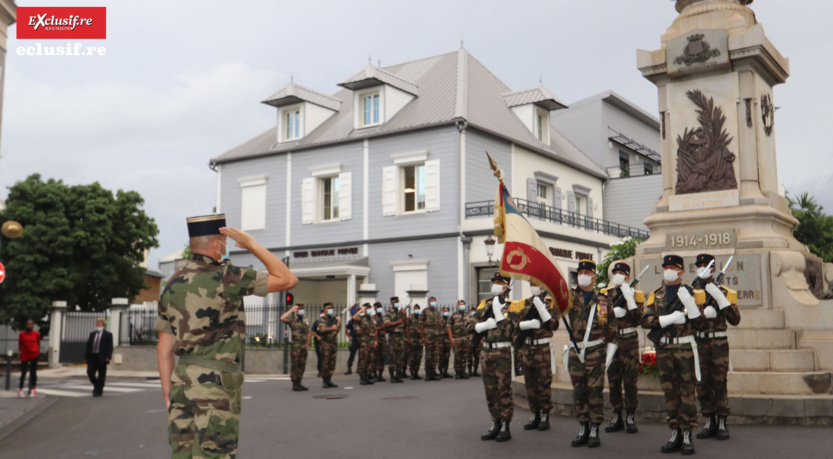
(351, 266)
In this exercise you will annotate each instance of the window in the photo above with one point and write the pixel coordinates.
(414, 189)
(370, 109)
(292, 123)
(579, 204)
(253, 205)
(541, 125)
(329, 198)
(649, 169)
(624, 164)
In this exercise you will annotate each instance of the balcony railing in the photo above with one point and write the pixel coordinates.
(534, 210)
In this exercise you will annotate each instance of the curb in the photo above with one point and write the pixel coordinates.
(35, 408)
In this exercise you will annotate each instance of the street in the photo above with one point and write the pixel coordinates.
(413, 420)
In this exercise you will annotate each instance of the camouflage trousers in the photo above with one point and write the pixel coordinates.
(381, 355)
(462, 348)
(588, 384)
(624, 369)
(432, 353)
(445, 354)
(396, 350)
(518, 358)
(200, 421)
(676, 374)
(367, 357)
(298, 360)
(537, 363)
(328, 359)
(474, 357)
(414, 355)
(497, 380)
(714, 365)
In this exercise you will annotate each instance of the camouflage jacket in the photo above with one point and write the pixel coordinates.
(367, 328)
(728, 314)
(444, 331)
(633, 317)
(432, 320)
(546, 327)
(328, 337)
(655, 307)
(300, 330)
(202, 307)
(604, 324)
(396, 331)
(412, 325)
(505, 328)
(459, 323)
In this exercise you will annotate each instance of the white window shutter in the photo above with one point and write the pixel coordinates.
(253, 208)
(556, 200)
(571, 201)
(589, 206)
(390, 190)
(345, 196)
(308, 201)
(432, 185)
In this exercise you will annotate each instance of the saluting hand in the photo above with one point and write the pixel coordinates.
(242, 239)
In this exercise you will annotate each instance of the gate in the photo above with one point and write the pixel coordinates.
(77, 328)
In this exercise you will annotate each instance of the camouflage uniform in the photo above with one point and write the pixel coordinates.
(382, 348)
(473, 361)
(415, 346)
(300, 346)
(496, 354)
(714, 356)
(445, 348)
(432, 321)
(675, 361)
(588, 378)
(459, 324)
(396, 342)
(202, 307)
(367, 342)
(625, 365)
(537, 359)
(329, 347)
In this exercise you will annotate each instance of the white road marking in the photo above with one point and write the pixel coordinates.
(64, 393)
(107, 388)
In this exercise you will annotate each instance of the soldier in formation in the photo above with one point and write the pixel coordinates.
(473, 361)
(431, 323)
(328, 330)
(459, 330)
(445, 345)
(414, 342)
(394, 323)
(301, 336)
(382, 347)
(533, 338)
(366, 327)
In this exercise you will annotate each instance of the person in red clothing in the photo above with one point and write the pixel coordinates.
(28, 344)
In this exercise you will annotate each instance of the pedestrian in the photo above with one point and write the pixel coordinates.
(534, 339)
(414, 341)
(366, 324)
(201, 320)
(301, 337)
(352, 337)
(316, 340)
(590, 317)
(395, 326)
(445, 345)
(713, 346)
(473, 361)
(459, 325)
(495, 332)
(382, 347)
(677, 356)
(28, 345)
(98, 353)
(624, 369)
(328, 330)
(431, 325)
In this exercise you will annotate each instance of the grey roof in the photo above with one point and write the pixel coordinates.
(540, 96)
(374, 76)
(294, 93)
(621, 103)
(452, 87)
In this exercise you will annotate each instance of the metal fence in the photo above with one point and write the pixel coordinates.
(562, 217)
(138, 327)
(77, 327)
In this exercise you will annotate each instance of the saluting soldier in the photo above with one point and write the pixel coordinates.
(431, 323)
(492, 321)
(201, 320)
(301, 336)
(594, 323)
(458, 333)
(677, 356)
(414, 340)
(395, 325)
(624, 369)
(534, 339)
(445, 345)
(721, 307)
(473, 361)
(328, 329)
(366, 328)
(382, 347)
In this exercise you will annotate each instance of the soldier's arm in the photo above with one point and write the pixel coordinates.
(612, 327)
(285, 316)
(639, 299)
(166, 359)
(280, 277)
(731, 313)
(650, 318)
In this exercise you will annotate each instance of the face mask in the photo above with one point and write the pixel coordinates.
(379, 310)
(584, 280)
(99, 328)
(497, 289)
(472, 313)
(462, 307)
(535, 290)
(446, 314)
(301, 312)
(397, 306)
(618, 279)
(670, 275)
(433, 304)
(224, 253)
(703, 274)
(416, 312)
(330, 312)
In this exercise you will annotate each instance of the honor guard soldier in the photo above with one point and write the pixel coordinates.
(534, 338)
(721, 307)
(299, 348)
(328, 330)
(624, 368)
(201, 320)
(352, 333)
(458, 332)
(395, 326)
(382, 348)
(366, 325)
(494, 332)
(414, 340)
(431, 322)
(473, 362)
(672, 313)
(445, 345)
(592, 319)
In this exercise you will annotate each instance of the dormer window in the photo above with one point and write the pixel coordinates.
(533, 107)
(378, 95)
(300, 111)
(371, 108)
(542, 125)
(292, 123)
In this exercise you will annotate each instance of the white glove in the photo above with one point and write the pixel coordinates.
(619, 312)
(533, 324)
(542, 309)
(497, 309)
(694, 312)
(687, 300)
(707, 273)
(629, 295)
(676, 317)
(489, 324)
(611, 351)
(718, 295)
(710, 312)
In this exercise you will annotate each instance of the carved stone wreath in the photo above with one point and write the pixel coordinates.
(767, 113)
(696, 51)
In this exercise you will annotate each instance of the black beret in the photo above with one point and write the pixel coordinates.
(587, 264)
(499, 277)
(206, 225)
(394, 299)
(673, 260)
(622, 267)
(704, 258)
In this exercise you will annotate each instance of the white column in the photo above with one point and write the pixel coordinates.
(56, 332)
(351, 289)
(118, 310)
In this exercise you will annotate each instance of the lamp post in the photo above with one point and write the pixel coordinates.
(490, 247)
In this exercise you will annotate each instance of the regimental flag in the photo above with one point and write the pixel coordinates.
(525, 256)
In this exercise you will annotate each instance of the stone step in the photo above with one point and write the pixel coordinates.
(761, 318)
(772, 338)
(786, 360)
(780, 383)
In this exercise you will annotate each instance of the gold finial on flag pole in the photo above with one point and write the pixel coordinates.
(498, 172)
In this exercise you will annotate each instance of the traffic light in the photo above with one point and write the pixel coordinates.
(290, 299)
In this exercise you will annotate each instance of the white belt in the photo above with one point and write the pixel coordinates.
(627, 331)
(589, 344)
(538, 342)
(500, 345)
(708, 335)
(687, 340)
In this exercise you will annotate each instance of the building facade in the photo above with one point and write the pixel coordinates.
(387, 182)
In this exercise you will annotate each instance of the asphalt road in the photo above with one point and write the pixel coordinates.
(413, 420)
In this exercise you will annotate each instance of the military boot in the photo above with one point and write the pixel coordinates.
(710, 429)
(303, 387)
(534, 422)
(674, 443)
(630, 424)
(491, 434)
(722, 428)
(295, 386)
(583, 434)
(329, 383)
(349, 371)
(504, 434)
(379, 376)
(457, 375)
(593, 440)
(469, 371)
(414, 376)
(363, 380)
(445, 374)
(475, 372)
(616, 423)
(464, 375)
(545, 422)
(687, 447)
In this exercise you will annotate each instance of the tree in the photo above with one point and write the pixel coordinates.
(80, 244)
(815, 228)
(624, 249)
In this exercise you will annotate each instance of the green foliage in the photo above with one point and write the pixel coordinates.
(80, 244)
(186, 252)
(624, 249)
(815, 228)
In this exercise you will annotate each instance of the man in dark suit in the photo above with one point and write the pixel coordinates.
(99, 352)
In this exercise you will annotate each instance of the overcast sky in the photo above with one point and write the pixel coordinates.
(182, 81)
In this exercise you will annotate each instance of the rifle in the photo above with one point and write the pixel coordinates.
(478, 337)
(621, 298)
(676, 305)
(717, 280)
(523, 334)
